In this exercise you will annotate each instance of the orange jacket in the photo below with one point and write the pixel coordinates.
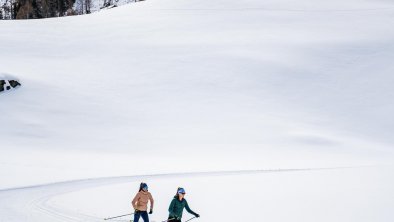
(140, 201)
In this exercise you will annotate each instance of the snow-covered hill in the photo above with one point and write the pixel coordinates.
(167, 86)
(238, 84)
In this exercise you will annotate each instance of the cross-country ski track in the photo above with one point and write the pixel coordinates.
(39, 195)
(39, 203)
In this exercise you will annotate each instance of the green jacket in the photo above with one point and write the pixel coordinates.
(176, 208)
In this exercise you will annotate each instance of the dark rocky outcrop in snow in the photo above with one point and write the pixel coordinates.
(8, 84)
(14, 83)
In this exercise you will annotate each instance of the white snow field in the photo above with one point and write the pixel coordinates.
(350, 194)
(170, 87)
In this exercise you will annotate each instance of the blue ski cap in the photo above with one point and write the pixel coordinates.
(181, 190)
(145, 187)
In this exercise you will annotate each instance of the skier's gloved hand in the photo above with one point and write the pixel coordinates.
(197, 215)
(151, 211)
(136, 211)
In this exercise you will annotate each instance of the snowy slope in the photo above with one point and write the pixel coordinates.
(358, 194)
(169, 86)
(179, 86)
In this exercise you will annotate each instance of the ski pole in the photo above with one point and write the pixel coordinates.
(191, 219)
(109, 218)
(168, 220)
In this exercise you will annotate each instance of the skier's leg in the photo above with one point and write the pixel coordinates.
(137, 216)
(144, 216)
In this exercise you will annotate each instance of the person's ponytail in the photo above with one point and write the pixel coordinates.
(177, 194)
(141, 186)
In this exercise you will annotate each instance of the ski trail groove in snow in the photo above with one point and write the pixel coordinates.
(120, 179)
(35, 200)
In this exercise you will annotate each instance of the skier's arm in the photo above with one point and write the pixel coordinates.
(151, 201)
(170, 209)
(188, 209)
(134, 201)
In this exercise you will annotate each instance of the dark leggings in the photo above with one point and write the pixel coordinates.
(142, 214)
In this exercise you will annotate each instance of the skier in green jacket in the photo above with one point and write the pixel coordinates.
(177, 205)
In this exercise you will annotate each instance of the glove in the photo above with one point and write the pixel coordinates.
(136, 211)
(151, 211)
(197, 215)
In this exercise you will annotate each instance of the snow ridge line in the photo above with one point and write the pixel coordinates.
(277, 10)
(110, 180)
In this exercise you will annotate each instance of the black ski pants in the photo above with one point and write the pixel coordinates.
(142, 214)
